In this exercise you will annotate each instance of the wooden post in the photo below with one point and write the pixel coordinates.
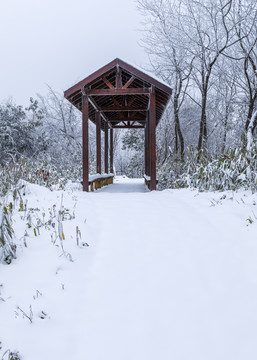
(111, 151)
(152, 125)
(98, 143)
(146, 145)
(106, 148)
(85, 139)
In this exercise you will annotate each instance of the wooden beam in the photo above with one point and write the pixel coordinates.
(95, 106)
(111, 151)
(133, 115)
(106, 149)
(98, 143)
(116, 101)
(129, 82)
(131, 101)
(128, 127)
(93, 103)
(118, 78)
(107, 82)
(111, 92)
(152, 125)
(126, 119)
(123, 108)
(85, 140)
(117, 120)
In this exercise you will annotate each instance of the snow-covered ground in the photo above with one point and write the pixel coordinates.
(167, 275)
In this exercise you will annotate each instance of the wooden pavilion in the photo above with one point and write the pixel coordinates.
(119, 96)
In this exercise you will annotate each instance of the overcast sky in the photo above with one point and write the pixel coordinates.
(59, 42)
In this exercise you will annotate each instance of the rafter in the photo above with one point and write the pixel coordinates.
(107, 82)
(133, 115)
(93, 103)
(129, 82)
(116, 102)
(131, 101)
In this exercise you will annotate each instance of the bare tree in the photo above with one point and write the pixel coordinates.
(245, 20)
(185, 40)
(224, 93)
(169, 60)
(209, 32)
(62, 127)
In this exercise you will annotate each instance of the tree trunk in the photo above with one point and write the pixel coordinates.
(249, 118)
(178, 129)
(176, 139)
(249, 135)
(225, 131)
(203, 125)
(249, 115)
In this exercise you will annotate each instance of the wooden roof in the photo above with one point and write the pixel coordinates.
(120, 92)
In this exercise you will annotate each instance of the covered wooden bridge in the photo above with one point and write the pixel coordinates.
(119, 96)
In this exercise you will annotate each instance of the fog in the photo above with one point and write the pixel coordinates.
(59, 42)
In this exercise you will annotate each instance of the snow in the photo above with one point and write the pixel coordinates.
(99, 176)
(167, 275)
(147, 178)
(249, 135)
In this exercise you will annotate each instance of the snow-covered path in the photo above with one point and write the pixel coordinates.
(168, 275)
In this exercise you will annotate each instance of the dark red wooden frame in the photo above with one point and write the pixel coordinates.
(119, 96)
